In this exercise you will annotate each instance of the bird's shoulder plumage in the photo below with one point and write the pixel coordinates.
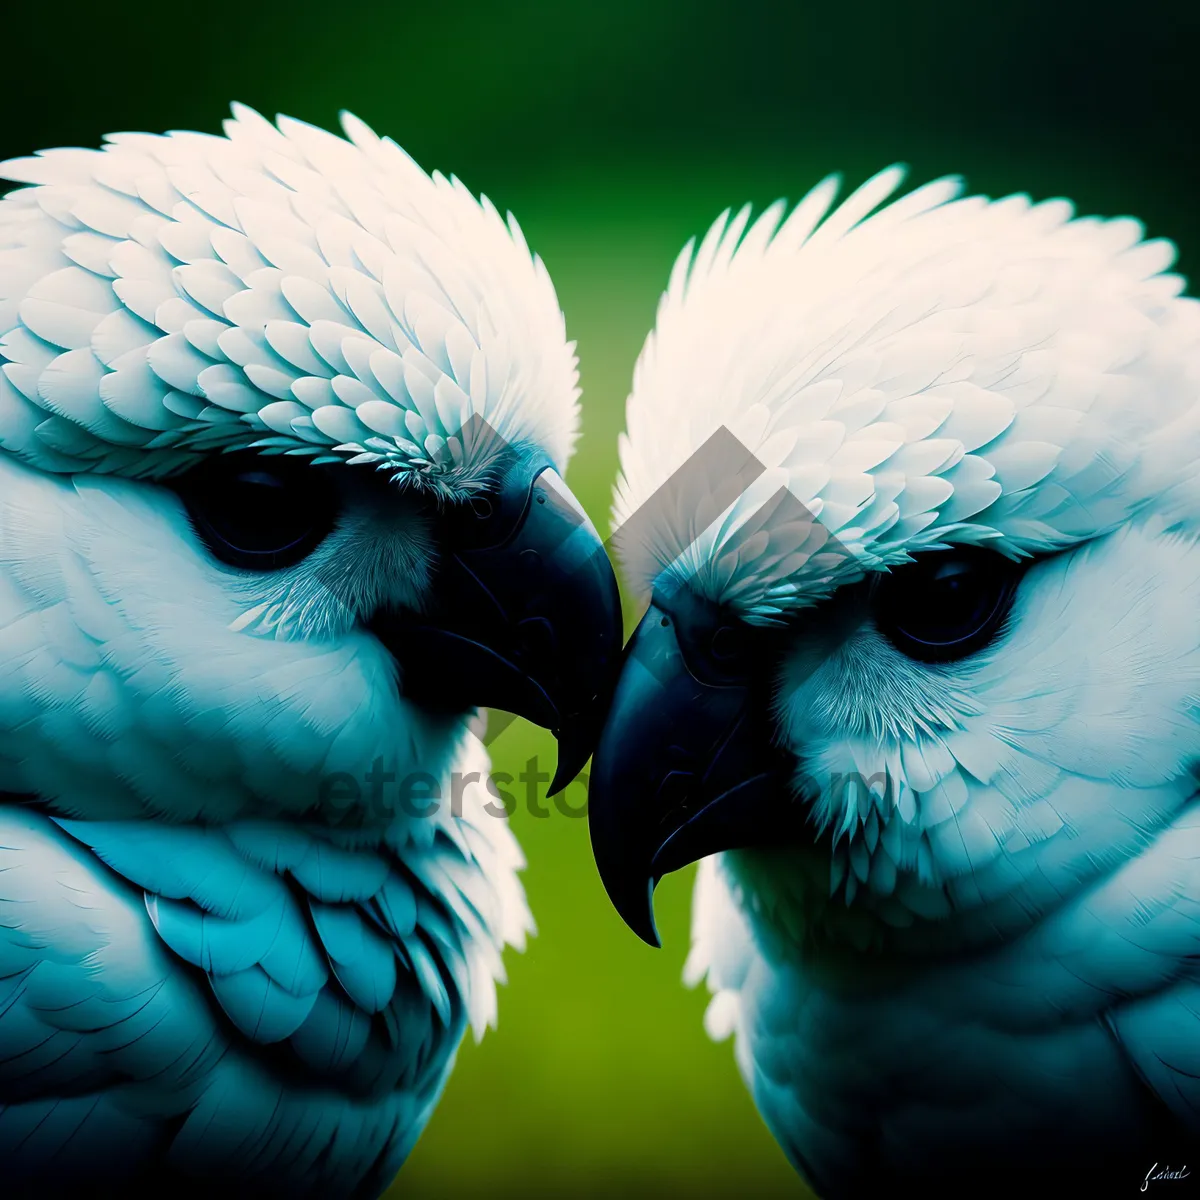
(1074, 1041)
(260, 998)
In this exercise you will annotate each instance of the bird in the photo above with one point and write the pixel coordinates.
(283, 424)
(910, 486)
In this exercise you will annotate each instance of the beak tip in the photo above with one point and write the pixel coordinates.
(636, 909)
(576, 741)
(569, 765)
(647, 931)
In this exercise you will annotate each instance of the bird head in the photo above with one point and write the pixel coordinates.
(912, 491)
(285, 423)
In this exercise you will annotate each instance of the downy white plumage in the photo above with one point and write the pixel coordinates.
(262, 396)
(947, 650)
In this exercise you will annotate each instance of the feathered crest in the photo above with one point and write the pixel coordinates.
(278, 287)
(942, 369)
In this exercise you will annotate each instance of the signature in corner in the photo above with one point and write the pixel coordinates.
(1158, 1174)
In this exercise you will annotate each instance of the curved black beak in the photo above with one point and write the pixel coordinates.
(684, 769)
(524, 616)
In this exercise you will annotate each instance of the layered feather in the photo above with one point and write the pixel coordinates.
(339, 979)
(942, 370)
(277, 287)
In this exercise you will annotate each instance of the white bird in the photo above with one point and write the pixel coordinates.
(921, 686)
(282, 427)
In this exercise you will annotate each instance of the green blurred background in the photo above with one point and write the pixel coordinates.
(616, 131)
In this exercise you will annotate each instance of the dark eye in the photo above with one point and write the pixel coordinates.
(946, 605)
(725, 643)
(718, 648)
(259, 513)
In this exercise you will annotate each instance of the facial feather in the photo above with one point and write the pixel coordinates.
(134, 679)
(1009, 779)
(276, 290)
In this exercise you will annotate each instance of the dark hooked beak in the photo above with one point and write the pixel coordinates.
(525, 616)
(683, 769)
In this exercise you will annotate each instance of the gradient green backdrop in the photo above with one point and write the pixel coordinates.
(615, 131)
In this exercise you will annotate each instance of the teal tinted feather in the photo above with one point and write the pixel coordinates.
(333, 1035)
(363, 961)
(259, 1007)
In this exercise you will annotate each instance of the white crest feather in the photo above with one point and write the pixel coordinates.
(938, 370)
(278, 287)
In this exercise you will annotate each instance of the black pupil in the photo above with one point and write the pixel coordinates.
(724, 643)
(946, 605)
(961, 601)
(259, 515)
